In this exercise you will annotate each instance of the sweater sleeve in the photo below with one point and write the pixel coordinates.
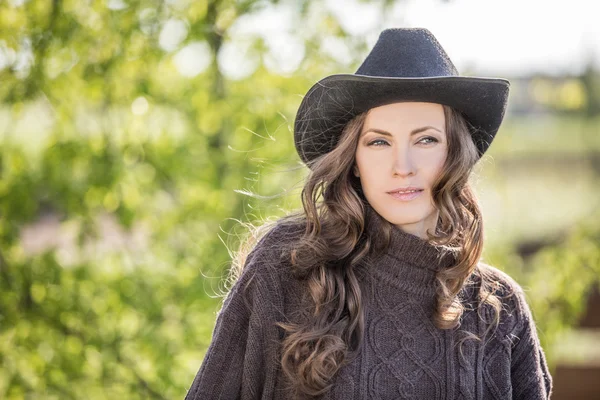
(531, 379)
(242, 357)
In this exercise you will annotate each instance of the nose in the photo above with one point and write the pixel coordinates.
(403, 163)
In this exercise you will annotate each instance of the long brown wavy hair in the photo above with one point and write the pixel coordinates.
(333, 252)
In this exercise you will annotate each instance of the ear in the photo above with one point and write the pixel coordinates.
(355, 171)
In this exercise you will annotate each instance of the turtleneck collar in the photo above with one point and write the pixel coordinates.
(409, 262)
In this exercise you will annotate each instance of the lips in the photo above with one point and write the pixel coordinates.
(406, 196)
(406, 190)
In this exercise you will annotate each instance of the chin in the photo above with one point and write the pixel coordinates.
(407, 221)
(406, 214)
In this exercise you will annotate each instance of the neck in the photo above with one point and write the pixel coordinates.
(420, 228)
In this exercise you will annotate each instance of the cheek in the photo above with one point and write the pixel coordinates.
(370, 162)
(434, 165)
(371, 173)
(440, 166)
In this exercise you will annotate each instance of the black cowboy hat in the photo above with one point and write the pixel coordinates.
(406, 64)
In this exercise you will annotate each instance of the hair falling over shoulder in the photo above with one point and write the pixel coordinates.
(333, 255)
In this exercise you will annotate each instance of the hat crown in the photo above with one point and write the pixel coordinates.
(407, 53)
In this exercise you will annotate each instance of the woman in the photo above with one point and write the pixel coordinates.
(376, 291)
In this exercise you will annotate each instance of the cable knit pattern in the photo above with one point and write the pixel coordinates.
(403, 356)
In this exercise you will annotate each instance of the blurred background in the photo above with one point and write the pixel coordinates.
(136, 136)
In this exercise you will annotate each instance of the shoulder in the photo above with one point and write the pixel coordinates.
(268, 258)
(487, 278)
(500, 282)
(263, 281)
(513, 307)
(276, 242)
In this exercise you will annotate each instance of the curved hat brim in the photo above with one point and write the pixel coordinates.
(335, 100)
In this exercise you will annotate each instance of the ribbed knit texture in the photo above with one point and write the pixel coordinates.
(403, 356)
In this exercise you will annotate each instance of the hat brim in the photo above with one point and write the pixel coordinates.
(333, 101)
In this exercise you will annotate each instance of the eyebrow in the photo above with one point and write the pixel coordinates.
(413, 132)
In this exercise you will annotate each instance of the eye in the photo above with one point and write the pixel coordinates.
(433, 140)
(377, 140)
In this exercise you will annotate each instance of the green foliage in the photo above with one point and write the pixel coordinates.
(96, 322)
(557, 280)
(560, 279)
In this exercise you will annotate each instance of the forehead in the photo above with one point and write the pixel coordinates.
(406, 114)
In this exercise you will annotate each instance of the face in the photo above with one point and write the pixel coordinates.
(402, 145)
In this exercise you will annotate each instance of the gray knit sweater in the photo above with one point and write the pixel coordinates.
(403, 355)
